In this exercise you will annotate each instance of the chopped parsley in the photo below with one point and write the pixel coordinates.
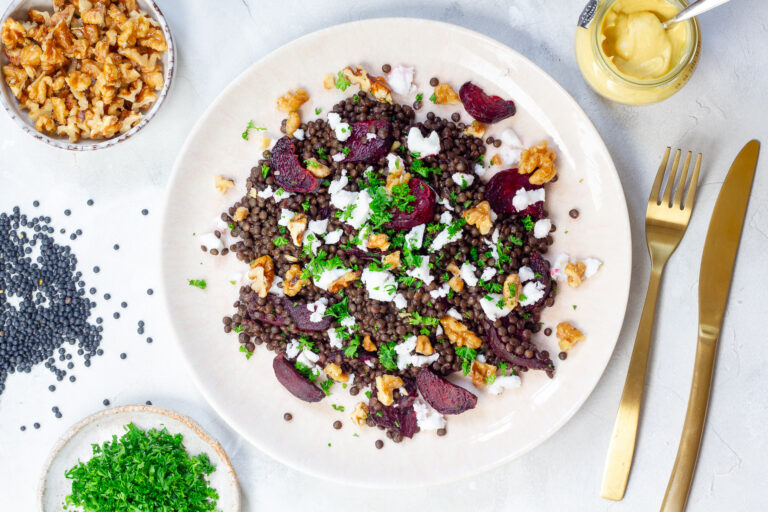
(339, 408)
(368, 395)
(351, 350)
(312, 163)
(341, 82)
(250, 127)
(455, 226)
(264, 170)
(467, 356)
(238, 329)
(515, 240)
(305, 205)
(305, 344)
(417, 319)
(527, 223)
(199, 283)
(248, 353)
(326, 386)
(322, 153)
(307, 372)
(346, 149)
(339, 311)
(423, 170)
(280, 241)
(419, 97)
(433, 98)
(503, 368)
(388, 356)
(318, 110)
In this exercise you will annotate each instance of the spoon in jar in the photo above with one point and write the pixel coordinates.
(692, 10)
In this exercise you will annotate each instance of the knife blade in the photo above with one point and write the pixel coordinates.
(717, 262)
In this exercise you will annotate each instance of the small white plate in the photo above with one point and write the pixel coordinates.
(245, 392)
(96, 429)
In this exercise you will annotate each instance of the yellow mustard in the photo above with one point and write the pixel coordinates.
(626, 55)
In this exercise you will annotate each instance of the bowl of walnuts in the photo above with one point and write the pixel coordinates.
(84, 74)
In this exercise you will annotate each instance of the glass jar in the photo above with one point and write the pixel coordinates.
(606, 79)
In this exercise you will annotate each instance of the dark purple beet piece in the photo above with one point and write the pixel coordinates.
(497, 347)
(301, 313)
(400, 416)
(287, 170)
(540, 268)
(445, 397)
(501, 190)
(299, 386)
(369, 151)
(423, 207)
(483, 107)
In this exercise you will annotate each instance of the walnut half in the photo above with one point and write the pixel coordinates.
(456, 282)
(292, 100)
(539, 160)
(223, 184)
(262, 274)
(359, 414)
(480, 217)
(575, 273)
(424, 346)
(344, 281)
(318, 169)
(385, 385)
(293, 281)
(459, 334)
(335, 372)
(445, 95)
(296, 227)
(480, 373)
(568, 336)
(378, 241)
(512, 290)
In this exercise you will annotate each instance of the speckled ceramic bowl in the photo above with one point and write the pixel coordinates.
(18, 9)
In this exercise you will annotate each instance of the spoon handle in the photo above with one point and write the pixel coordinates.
(695, 9)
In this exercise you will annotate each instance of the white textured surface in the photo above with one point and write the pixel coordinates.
(721, 108)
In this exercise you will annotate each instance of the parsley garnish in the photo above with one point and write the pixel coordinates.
(341, 82)
(346, 149)
(326, 386)
(422, 170)
(280, 241)
(527, 223)
(417, 319)
(307, 372)
(388, 356)
(318, 110)
(238, 329)
(200, 283)
(251, 126)
(264, 170)
(433, 98)
(339, 408)
(305, 205)
(368, 395)
(322, 153)
(339, 311)
(515, 240)
(248, 353)
(467, 355)
(419, 97)
(305, 344)
(351, 350)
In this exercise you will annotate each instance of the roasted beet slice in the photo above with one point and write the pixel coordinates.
(501, 189)
(299, 386)
(445, 397)
(497, 347)
(423, 207)
(288, 172)
(369, 151)
(301, 313)
(483, 107)
(400, 416)
(540, 268)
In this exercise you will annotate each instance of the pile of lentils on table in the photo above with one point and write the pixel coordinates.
(367, 328)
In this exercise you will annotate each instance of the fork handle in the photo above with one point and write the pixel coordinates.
(622, 447)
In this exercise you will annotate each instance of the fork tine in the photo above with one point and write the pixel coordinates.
(678, 202)
(659, 177)
(667, 199)
(689, 197)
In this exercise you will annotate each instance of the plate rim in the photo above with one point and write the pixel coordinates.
(157, 411)
(624, 292)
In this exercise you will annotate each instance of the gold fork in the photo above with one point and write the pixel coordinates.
(665, 223)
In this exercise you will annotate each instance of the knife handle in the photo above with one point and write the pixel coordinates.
(682, 473)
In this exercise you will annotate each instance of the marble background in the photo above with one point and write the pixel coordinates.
(723, 106)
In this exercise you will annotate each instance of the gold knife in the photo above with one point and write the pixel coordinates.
(715, 277)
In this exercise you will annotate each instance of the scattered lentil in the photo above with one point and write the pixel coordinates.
(287, 416)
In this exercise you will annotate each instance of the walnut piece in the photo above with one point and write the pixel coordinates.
(329, 82)
(424, 346)
(296, 227)
(335, 372)
(344, 281)
(396, 177)
(568, 336)
(378, 241)
(385, 385)
(292, 123)
(459, 334)
(262, 274)
(318, 169)
(368, 344)
(240, 214)
(292, 100)
(456, 282)
(476, 129)
(575, 273)
(480, 373)
(359, 414)
(264, 143)
(392, 259)
(445, 95)
(293, 282)
(223, 184)
(512, 290)
(539, 160)
(376, 85)
(495, 159)
(480, 217)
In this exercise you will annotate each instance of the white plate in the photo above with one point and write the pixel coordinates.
(75, 446)
(246, 393)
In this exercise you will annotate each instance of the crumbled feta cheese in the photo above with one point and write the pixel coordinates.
(525, 198)
(329, 276)
(318, 226)
(400, 79)
(481, 358)
(487, 274)
(343, 198)
(480, 170)
(415, 237)
(277, 288)
(338, 157)
(210, 241)
(370, 136)
(405, 358)
(369, 363)
(423, 146)
(444, 238)
(422, 271)
(593, 265)
(394, 162)
(338, 184)
(266, 193)
(446, 204)
(490, 305)
(361, 210)
(292, 349)
(495, 235)
(525, 273)
(493, 248)
(426, 417)
(502, 382)
(533, 291)
(381, 286)
(400, 301)
(333, 237)
(467, 273)
(439, 330)
(440, 292)
(335, 339)
(298, 134)
(308, 358)
(281, 194)
(348, 322)
(455, 314)
(343, 131)
(446, 218)
(510, 138)
(317, 309)
(285, 216)
(463, 180)
(541, 228)
(558, 267)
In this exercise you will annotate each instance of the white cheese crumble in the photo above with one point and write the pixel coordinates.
(329, 276)
(266, 193)
(525, 273)
(426, 417)
(308, 358)
(446, 218)
(400, 301)
(277, 288)
(361, 210)
(394, 162)
(338, 157)
(510, 138)
(525, 198)
(558, 266)
(423, 146)
(370, 136)
(446, 204)
(292, 349)
(343, 198)
(487, 274)
(490, 305)
(480, 170)
(333, 237)
(381, 286)
(405, 358)
(541, 228)
(281, 194)
(400, 79)
(455, 314)
(415, 237)
(593, 265)
(510, 156)
(503, 382)
(334, 338)
(343, 131)
(348, 322)
(463, 180)
(210, 241)
(467, 273)
(533, 291)
(444, 238)
(440, 292)
(298, 134)
(422, 271)
(338, 184)
(318, 226)
(285, 216)
(317, 309)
